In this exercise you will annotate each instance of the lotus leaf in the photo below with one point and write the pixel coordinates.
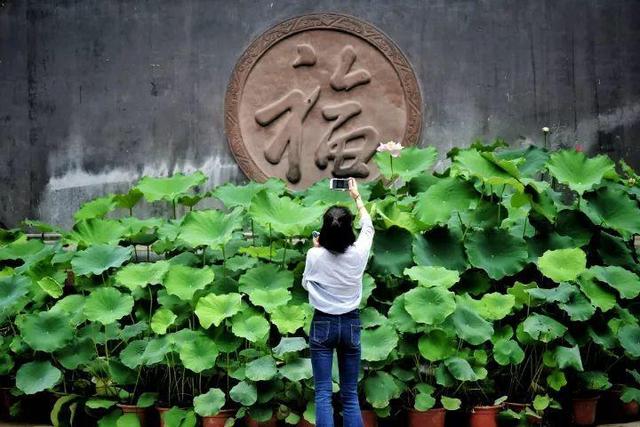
(198, 353)
(139, 275)
(563, 264)
(543, 328)
(411, 163)
(288, 318)
(612, 208)
(468, 324)
(436, 345)
(51, 286)
(394, 212)
(429, 276)
(297, 369)
(450, 403)
(378, 343)
(213, 309)
(400, 317)
(21, 249)
(424, 402)
(630, 394)
(244, 393)
(624, 281)
(290, 345)
(169, 188)
(261, 369)
(237, 195)
(267, 286)
(492, 171)
(161, 320)
(209, 227)
(595, 380)
(144, 352)
(46, 331)
(615, 251)
(578, 306)
(370, 317)
(209, 403)
(460, 369)
(439, 247)
(380, 388)
(577, 171)
(96, 208)
(629, 336)
(282, 214)
(508, 352)
(99, 258)
(496, 251)
(12, 289)
(96, 231)
(495, 306)
(176, 417)
(560, 293)
(78, 353)
(106, 305)
(391, 254)
(568, 357)
(429, 305)
(33, 377)
(556, 380)
(183, 281)
(443, 199)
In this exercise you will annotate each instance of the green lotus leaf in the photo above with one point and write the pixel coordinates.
(568, 357)
(443, 199)
(289, 345)
(370, 317)
(368, 285)
(391, 253)
(262, 369)
(450, 403)
(100, 403)
(78, 353)
(411, 162)
(169, 188)
(21, 249)
(624, 281)
(556, 380)
(394, 212)
(213, 309)
(561, 293)
(595, 380)
(183, 281)
(297, 369)
(612, 208)
(436, 345)
(99, 258)
(460, 369)
(106, 305)
(615, 251)
(73, 307)
(497, 252)
(580, 173)
(209, 403)
(495, 306)
(96, 208)
(237, 195)
(439, 247)
(424, 402)
(486, 167)
(429, 276)
(400, 317)
(282, 214)
(144, 352)
(630, 394)
(176, 417)
(598, 294)
(51, 286)
(6, 363)
(520, 291)
(12, 290)
(629, 336)
(543, 328)
(139, 275)
(578, 306)
(469, 325)
(46, 331)
(377, 343)
(199, 353)
(161, 320)
(209, 227)
(562, 265)
(267, 286)
(288, 318)
(508, 352)
(251, 327)
(380, 388)
(239, 263)
(244, 393)
(33, 377)
(96, 231)
(320, 193)
(429, 305)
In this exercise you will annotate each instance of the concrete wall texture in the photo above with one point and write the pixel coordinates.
(96, 93)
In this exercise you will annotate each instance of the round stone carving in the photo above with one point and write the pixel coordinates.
(313, 97)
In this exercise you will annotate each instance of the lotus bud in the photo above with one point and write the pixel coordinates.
(545, 129)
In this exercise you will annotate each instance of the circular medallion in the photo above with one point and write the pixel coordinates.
(313, 97)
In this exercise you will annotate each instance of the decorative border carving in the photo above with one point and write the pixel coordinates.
(316, 21)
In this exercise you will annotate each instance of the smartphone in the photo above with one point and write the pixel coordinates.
(340, 184)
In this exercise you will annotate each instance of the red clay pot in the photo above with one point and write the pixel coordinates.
(484, 416)
(219, 419)
(133, 409)
(631, 409)
(369, 418)
(584, 410)
(432, 418)
(273, 422)
(160, 412)
(305, 423)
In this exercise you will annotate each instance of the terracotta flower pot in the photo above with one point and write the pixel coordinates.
(161, 411)
(369, 418)
(484, 416)
(133, 409)
(253, 423)
(432, 418)
(219, 419)
(305, 423)
(584, 410)
(631, 409)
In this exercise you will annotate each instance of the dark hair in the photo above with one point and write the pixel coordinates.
(337, 233)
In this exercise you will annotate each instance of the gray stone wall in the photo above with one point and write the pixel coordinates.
(96, 93)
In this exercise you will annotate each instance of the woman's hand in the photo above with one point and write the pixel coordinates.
(353, 188)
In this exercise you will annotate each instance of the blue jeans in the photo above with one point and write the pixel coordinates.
(340, 332)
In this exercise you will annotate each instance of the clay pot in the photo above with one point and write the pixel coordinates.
(631, 409)
(584, 410)
(369, 418)
(133, 409)
(432, 418)
(305, 423)
(161, 411)
(217, 420)
(253, 423)
(484, 416)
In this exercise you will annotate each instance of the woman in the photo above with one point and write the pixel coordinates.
(333, 278)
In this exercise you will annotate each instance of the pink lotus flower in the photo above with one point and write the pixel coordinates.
(390, 147)
(579, 148)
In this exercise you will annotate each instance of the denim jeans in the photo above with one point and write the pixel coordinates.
(342, 333)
